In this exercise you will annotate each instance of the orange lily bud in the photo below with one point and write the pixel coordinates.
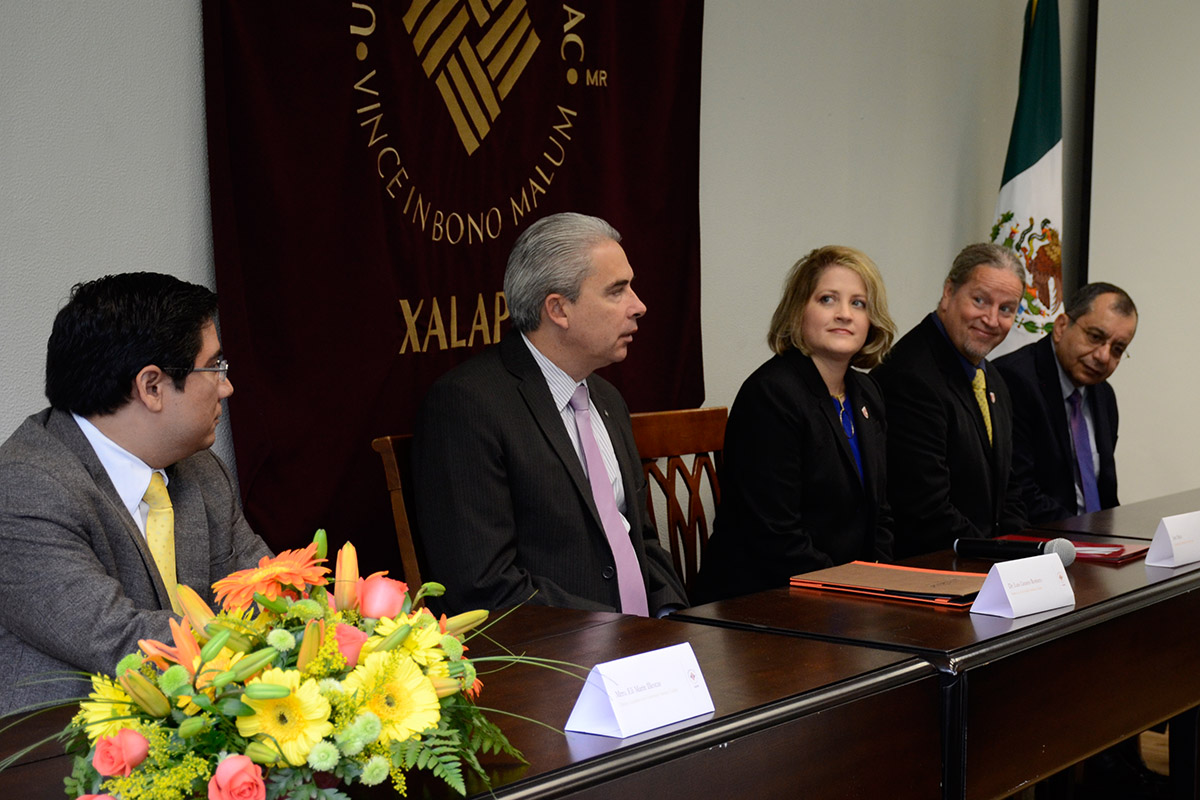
(314, 635)
(444, 687)
(195, 610)
(461, 623)
(148, 697)
(345, 590)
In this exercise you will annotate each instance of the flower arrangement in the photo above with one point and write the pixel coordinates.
(290, 691)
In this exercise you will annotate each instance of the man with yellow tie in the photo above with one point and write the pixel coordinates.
(949, 412)
(111, 496)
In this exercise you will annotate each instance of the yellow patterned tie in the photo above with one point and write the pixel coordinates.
(160, 534)
(979, 384)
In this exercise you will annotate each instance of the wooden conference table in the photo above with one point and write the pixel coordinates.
(793, 717)
(1025, 698)
(1134, 521)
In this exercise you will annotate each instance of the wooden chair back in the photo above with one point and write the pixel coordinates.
(396, 453)
(674, 436)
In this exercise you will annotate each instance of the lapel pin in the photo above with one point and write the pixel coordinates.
(865, 414)
(993, 396)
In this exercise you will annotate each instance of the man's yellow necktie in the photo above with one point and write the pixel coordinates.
(160, 534)
(979, 384)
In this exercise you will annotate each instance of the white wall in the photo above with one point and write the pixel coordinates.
(1144, 218)
(872, 123)
(103, 164)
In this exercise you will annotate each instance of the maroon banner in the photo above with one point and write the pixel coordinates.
(371, 165)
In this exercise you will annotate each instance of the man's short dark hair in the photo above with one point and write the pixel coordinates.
(113, 327)
(1081, 302)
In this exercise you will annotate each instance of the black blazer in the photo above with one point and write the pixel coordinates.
(1043, 456)
(502, 502)
(791, 497)
(945, 480)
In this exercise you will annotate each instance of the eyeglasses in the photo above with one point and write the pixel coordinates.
(1097, 338)
(221, 368)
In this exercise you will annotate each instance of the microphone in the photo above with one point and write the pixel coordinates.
(1004, 549)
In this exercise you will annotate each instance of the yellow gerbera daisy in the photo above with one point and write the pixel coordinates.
(290, 568)
(392, 686)
(294, 723)
(108, 709)
(422, 643)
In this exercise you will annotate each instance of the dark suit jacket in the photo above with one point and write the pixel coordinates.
(1043, 456)
(502, 502)
(791, 497)
(945, 481)
(78, 585)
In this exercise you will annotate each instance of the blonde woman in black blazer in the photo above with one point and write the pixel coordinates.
(804, 481)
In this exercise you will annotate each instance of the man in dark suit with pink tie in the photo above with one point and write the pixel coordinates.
(528, 486)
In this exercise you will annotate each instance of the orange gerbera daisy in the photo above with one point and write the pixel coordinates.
(294, 568)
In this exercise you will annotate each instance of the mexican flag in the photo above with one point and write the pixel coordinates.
(1029, 208)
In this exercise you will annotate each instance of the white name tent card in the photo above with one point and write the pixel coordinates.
(1024, 586)
(641, 692)
(1176, 542)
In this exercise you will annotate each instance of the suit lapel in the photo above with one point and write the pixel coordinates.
(1047, 374)
(538, 399)
(951, 366)
(63, 425)
(824, 401)
(1101, 422)
(191, 555)
(965, 394)
(629, 463)
(868, 433)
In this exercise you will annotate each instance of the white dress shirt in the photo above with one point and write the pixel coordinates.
(128, 473)
(562, 386)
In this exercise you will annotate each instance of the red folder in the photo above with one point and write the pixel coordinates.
(1092, 551)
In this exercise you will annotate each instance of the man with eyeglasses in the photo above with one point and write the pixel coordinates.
(111, 497)
(1064, 410)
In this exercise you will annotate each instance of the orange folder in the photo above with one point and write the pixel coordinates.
(943, 588)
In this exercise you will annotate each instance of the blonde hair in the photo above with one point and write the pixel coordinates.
(798, 288)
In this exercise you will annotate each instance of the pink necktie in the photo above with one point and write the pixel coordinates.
(629, 573)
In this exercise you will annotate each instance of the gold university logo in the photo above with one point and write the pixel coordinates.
(475, 51)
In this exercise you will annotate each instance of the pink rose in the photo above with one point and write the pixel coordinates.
(380, 597)
(237, 778)
(119, 754)
(349, 641)
(96, 797)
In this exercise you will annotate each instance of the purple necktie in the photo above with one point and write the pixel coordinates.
(629, 572)
(1083, 453)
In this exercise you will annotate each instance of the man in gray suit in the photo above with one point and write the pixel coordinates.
(135, 379)
(528, 485)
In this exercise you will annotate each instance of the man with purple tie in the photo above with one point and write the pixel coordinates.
(527, 481)
(1064, 411)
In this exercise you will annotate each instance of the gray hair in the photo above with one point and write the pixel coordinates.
(1081, 302)
(974, 255)
(552, 256)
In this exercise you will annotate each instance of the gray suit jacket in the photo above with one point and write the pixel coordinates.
(78, 585)
(501, 499)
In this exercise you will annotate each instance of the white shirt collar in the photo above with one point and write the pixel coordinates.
(128, 473)
(562, 385)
